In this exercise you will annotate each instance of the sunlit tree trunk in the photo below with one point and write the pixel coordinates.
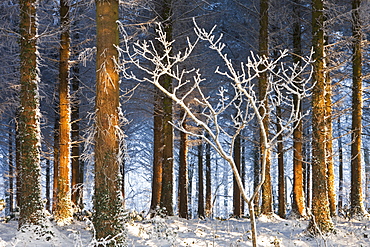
(298, 203)
(266, 206)
(321, 220)
(31, 205)
(329, 146)
(63, 211)
(108, 202)
(183, 173)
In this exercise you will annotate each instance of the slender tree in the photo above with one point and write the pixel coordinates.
(63, 211)
(201, 213)
(29, 176)
(321, 220)
(208, 208)
(108, 202)
(357, 207)
(183, 173)
(236, 190)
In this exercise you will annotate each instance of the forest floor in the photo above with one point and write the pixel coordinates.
(174, 231)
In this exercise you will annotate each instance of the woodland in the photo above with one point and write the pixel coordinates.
(170, 112)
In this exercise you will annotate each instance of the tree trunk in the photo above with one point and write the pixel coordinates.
(108, 202)
(183, 172)
(77, 166)
(281, 170)
(236, 189)
(341, 178)
(31, 205)
(321, 221)
(157, 155)
(47, 184)
(63, 213)
(357, 206)
(55, 160)
(201, 213)
(298, 203)
(329, 147)
(266, 206)
(11, 172)
(208, 181)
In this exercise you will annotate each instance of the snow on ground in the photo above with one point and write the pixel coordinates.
(179, 232)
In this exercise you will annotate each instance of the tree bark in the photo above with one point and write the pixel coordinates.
(63, 211)
(108, 202)
(321, 221)
(266, 206)
(357, 206)
(31, 205)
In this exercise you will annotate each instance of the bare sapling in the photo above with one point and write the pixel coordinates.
(221, 116)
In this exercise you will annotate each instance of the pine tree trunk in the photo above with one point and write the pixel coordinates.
(321, 220)
(55, 160)
(77, 166)
(357, 206)
(11, 173)
(266, 206)
(208, 181)
(341, 178)
(167, 134)
(108, 202)
(47, 184)
(329, 147)
(281, 169)
(183, 173)
(31, 205)
(298, 203)
(157, 155)
(201, 213)
(236, 189)
(63, 212)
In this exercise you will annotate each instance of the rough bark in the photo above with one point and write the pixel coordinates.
(63, 211)
(357, 206)
(31, 205)
(108, 202)
(266, 206)
(321, 221)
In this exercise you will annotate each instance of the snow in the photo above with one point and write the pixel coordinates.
(174, 231)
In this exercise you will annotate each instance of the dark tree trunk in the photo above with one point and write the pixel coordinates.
(183, 173)
(236, 189)
(208, 181)
(201, 213)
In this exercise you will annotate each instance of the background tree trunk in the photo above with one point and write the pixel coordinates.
(236, 189)
(183, 172)
(357, 206)
(201, 213)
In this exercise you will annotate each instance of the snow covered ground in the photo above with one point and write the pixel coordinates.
(179, 232)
